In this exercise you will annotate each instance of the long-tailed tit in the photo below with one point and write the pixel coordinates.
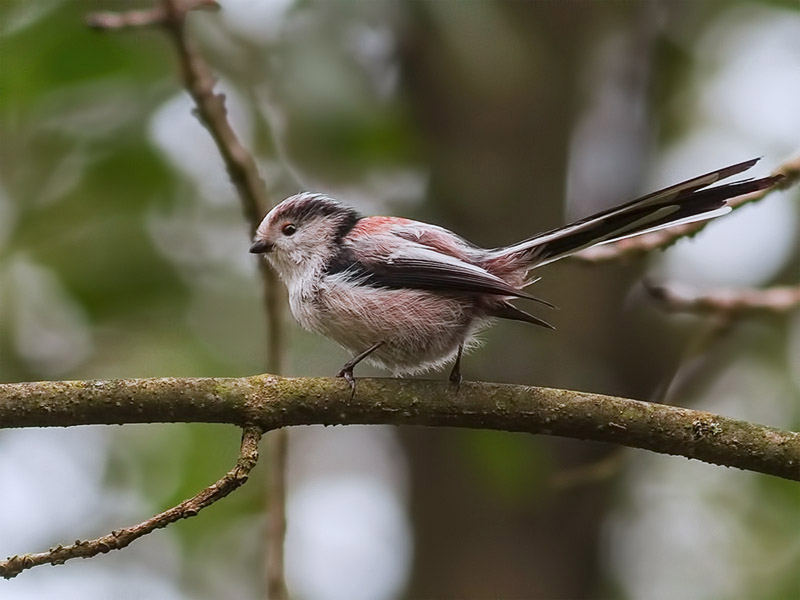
(409, 296)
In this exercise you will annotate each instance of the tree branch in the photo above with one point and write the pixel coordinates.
(148, 17)
(252, 193)
(277, 453)
(640, 245)
(211, 110)
(728, 302)
(271, 402)
(121, 538)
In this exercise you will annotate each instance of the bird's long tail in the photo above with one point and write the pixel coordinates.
(684, 202)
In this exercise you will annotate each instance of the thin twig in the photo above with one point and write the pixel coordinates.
(148, 17)
(211, 110)
(596, 471)
(728, 303)
(243, 171)
(277, 448)
(609, 465)
(255, 202)
(121, 538)
(695, 357)
(641, 245)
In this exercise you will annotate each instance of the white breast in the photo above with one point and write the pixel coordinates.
(419, 329)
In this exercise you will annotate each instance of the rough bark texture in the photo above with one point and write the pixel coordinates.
(272, 402)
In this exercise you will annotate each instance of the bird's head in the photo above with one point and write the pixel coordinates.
(303, 233)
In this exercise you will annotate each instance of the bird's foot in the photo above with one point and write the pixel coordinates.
(347, 369)
(347, 374)
(455, 374)
(456, 379)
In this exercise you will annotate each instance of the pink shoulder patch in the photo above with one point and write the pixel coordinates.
(376, 224)
(431, 236)
(442, 242)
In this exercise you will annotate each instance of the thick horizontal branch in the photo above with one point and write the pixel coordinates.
(271, 402)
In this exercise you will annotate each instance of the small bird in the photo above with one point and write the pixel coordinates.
(409, 296)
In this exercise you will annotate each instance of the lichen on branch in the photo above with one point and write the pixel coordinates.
(271, 402)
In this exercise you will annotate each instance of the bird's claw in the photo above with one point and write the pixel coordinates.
(347, 374)
(456, 379)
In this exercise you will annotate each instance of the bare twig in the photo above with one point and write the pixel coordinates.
(728, 303)
(252, 193)
(149, 17)
(609, 465)
(277, 448)
(638, 246)
(121, 538)
(596, 471)
(242, 169)
(211, 110)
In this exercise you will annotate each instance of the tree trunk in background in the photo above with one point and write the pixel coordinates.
(495, 88)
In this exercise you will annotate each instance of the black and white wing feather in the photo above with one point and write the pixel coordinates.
(417, 267)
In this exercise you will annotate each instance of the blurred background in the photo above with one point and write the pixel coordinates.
(123, 253)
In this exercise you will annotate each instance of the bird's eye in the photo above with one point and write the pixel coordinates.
(288, 229)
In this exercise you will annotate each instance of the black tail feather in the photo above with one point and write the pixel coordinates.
(689, 200)
(506, 310)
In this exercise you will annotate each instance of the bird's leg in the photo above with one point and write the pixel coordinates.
(455, 374)
(347, 370)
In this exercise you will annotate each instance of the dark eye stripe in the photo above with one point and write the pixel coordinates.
(305, 207)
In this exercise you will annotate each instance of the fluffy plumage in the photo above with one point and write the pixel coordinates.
(419, 292)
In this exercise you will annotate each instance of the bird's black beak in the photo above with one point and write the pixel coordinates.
(260, 247)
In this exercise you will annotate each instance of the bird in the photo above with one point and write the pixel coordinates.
(409, 296)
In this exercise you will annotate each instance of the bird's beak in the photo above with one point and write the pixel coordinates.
(260, 247)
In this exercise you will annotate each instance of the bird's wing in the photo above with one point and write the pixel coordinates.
(387, 260)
